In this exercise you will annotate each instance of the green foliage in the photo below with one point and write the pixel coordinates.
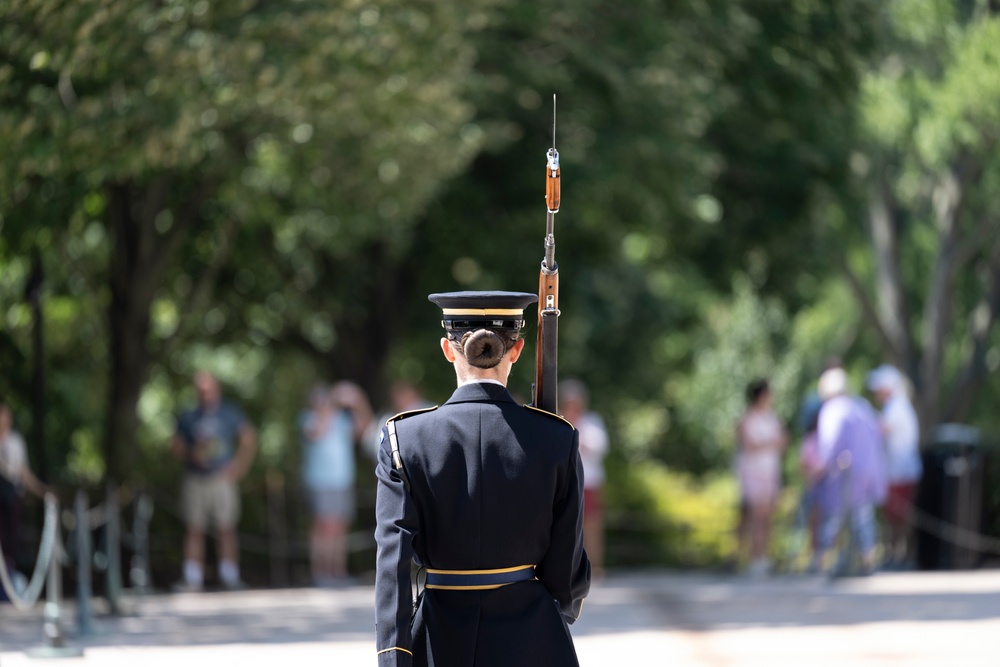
(270, 190)
(144, 142)
(926, 165)
(325, 130)
(666, 517)
(116, 91)
(745, 339)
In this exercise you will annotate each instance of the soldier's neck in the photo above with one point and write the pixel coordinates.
(469, 375)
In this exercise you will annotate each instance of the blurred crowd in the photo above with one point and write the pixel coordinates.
(860, 464)
(216, 444)
(856, 451)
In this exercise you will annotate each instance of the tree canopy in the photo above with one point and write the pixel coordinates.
(270, 189)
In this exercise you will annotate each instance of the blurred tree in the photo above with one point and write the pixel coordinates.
(782, 137)
(178, 120)
(273, 188)
(929, 283)
(696, 139)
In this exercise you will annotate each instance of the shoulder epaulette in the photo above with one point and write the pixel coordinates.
(397, 459)
(409, 413)
(551, 414)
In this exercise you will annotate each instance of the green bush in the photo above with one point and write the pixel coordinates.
(658, 516)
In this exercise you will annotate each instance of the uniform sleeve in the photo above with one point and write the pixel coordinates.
(565, 569)
(395, 527)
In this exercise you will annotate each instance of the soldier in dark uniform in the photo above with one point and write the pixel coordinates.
(485, 496)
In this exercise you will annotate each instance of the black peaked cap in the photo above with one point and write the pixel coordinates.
(463, 310)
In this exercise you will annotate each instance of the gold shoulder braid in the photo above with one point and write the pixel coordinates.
(551, 414)
(397, 460)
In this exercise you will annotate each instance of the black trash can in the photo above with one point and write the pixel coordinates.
(950, 499)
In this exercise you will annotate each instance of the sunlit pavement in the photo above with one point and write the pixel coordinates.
(912, 620)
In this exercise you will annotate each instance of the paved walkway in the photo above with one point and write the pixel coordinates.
(681, 620)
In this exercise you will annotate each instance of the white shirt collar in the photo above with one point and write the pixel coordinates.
(475, 380)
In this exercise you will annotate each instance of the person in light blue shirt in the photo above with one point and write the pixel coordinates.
(330, 428)
(904, 468)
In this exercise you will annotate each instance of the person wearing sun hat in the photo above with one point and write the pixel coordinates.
(901, 429)
(849, 450)
(485, 497)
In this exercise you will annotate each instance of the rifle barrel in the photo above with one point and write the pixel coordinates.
(546, 360)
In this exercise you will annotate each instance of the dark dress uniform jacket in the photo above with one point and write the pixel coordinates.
(492, 484)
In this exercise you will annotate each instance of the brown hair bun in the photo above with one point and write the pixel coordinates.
(483, 348)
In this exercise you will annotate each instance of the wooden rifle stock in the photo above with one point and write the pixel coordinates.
(547, 343)
(545, 389)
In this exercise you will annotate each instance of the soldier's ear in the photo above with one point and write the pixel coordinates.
(449, 352)
(515, 351)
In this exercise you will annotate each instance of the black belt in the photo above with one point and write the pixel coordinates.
(477, 580)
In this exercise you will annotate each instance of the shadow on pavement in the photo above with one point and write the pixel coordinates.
(706, 602)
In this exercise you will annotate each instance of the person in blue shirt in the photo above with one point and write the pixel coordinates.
(216, 443)
(337, 418)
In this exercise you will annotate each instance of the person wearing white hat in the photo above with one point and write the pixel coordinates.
(850, 453)
(901, 430)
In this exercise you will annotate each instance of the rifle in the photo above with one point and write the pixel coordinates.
(545, 386)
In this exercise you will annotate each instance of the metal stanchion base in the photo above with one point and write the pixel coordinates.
(47, 652)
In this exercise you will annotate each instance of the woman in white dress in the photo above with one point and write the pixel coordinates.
(761, 441)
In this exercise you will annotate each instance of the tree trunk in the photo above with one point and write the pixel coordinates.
(34, 294)
(128, 323)
(364, 344)
(140, 257)
(893, 309)
(975, 371)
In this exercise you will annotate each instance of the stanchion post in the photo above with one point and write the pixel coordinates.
(112, 533)
(139, 568)
(278, 542)
(55, 638)
(84, 558)
(53, 598)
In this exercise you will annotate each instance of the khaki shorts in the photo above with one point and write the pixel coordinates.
(210, 500)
